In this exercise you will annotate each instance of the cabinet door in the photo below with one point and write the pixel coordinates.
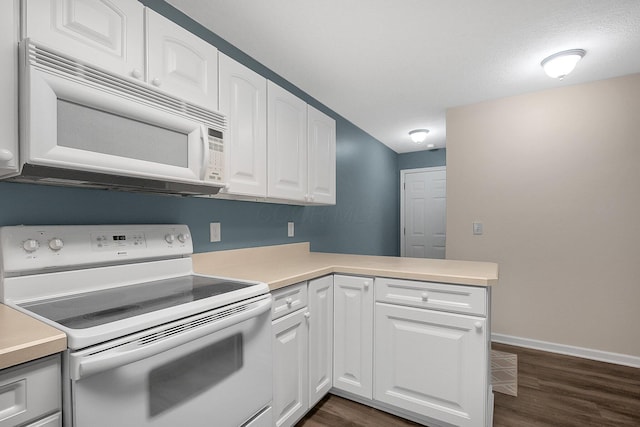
(320, 338)
(181, 63)
(290, 368)
(286, 145)
(322, 157)
(353, 335)
(243, 99)
(432, 363)
(105, 33)
(9, 20)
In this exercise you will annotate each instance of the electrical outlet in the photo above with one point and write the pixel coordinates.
(214, 232)
(290, 230)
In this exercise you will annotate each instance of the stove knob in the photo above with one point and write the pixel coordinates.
(170, 238)
(183, 237)
(56, 244)
(30, 245)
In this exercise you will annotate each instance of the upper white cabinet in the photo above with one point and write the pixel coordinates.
(127, 39)
(105, 33)
(181, 63)
(243, 99)
(321, 157)
(9, 18)
(301, 150)
(286, 145)
(353, 335)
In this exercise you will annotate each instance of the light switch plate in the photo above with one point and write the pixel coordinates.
(290, 230)
(477, 228)
(214, 232)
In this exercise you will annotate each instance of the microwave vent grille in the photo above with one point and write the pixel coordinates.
(49, 61)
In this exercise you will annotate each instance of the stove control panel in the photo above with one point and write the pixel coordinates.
(29, 248)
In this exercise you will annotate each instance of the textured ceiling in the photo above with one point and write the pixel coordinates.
(390, 66)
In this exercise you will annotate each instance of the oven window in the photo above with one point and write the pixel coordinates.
(89, 129)
(189, 376)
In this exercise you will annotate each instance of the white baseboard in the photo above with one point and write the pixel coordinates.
(586, 353)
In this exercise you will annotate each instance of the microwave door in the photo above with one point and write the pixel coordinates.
(72, 125)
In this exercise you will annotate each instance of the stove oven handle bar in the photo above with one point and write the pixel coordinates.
(144, 345)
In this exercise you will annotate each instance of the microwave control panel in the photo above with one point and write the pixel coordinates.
(215, 168)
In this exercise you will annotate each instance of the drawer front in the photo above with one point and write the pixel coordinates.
(29, 391)
(289, 299)
(54, 420)
(433, 296)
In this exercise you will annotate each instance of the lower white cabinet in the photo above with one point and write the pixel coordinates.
(30, 394)
(417, 349)
(290, 360)
(302, 348)
(431, 363)
(353, 335)
(320, 338)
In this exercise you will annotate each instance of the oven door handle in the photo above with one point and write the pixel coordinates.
(157, 340)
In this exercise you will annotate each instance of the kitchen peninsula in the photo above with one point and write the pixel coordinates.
(405, 335)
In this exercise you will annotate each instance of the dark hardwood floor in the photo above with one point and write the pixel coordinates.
(553, 391)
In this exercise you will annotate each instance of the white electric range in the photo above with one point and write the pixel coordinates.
(151, 343)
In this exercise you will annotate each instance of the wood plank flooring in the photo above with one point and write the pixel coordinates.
(553, 391)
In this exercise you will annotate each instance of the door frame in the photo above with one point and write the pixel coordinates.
(403, 174)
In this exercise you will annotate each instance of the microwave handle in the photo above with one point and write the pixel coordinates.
(82, 366)
(206, 154)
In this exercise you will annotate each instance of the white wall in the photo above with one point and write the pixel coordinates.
(555, 178)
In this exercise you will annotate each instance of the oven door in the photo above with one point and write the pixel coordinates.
(214, 368)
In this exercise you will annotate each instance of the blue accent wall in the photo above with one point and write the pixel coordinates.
(365, 219)
(422, 159)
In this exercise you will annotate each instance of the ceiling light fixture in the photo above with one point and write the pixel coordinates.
(558, 65)
(418, 135)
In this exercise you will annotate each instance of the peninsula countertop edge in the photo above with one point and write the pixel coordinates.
(283, 265)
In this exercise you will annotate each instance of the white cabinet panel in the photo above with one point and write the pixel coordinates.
(289, 299)
(29, 391)
(181, 63)
(322, 157)
(353, 335)
(290, 370)
(286, 145)
(434, 296)
(54, 420)
(243, 99)
(9, 18)
(431, 363)
(105, 33)
(320, 338)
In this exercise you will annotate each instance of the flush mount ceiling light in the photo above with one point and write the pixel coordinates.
(558, 65)
(418, 135)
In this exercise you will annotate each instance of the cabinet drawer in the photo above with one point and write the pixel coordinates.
(289, 299)
(434, 296)
(54, 420)
(29, 391)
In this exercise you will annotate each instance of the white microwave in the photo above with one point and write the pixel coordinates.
(83, 126)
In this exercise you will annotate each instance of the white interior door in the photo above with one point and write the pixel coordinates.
(423, 205)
